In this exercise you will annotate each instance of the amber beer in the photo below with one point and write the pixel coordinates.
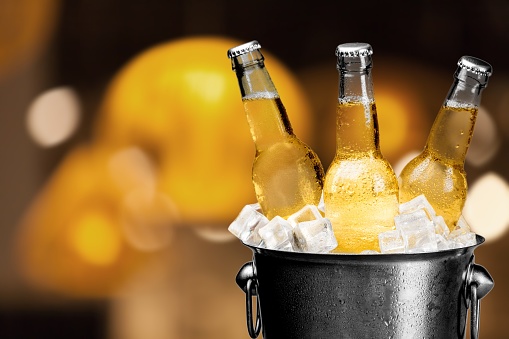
(442, 179)
(360, 190)
(438, 172)
(287, 173)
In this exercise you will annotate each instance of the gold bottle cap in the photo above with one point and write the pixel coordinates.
(243, 49)
(354, 49)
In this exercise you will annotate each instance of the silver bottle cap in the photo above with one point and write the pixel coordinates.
(354, 56)
(243, 49)
(471, 68)
(354, 49)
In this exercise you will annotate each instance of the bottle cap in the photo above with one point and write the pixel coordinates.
(354, 49)
(473, 68)
(354, 56)
(243, 49)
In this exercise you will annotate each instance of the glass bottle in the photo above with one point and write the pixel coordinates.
(438, 171)
(287, 174)
(361, 189)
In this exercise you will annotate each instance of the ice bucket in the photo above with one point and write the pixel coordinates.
(422, 295)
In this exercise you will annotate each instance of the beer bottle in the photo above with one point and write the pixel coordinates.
(287, 174)
(438, 172)
(361, 189)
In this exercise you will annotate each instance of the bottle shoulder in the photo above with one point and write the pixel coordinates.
(426, 165)
(288, 159)
(359, 168)
(291, 145)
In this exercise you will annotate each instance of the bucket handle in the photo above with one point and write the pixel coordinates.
(478, 284)
(247, 281)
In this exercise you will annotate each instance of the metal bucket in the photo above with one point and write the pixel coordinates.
(303, 295)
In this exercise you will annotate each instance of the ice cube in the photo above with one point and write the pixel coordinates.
(458, 231)
(247, 223)
(462, 236)
(277, 234)
(463, 240)
(420, 239)
(411, 218)
(254, 238)
(391, 242)
(442, 242)
(417, 230)
(306, 213)
(419, 202)
(315, 236)
(440, 226)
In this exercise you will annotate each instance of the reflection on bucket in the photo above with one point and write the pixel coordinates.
(422, 295)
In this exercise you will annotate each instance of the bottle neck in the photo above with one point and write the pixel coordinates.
(266, 115)
(357, 123)
(254, 79)
(453, 128)
(355, 85)
(464, 93)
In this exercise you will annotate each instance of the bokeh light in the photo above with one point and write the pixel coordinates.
(147, 219)
(403, 161)
(95, 238)
(72, 239)
(486, 208)
(132, 168)
(53, 116)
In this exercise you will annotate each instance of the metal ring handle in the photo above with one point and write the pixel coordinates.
(478, 283)
(253, 331)
(474, 313)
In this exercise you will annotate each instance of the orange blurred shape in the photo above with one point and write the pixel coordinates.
(180, 102)
(171, 146)
(72, 239)
(26, 26)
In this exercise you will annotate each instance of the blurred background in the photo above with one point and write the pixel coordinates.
(125, 151)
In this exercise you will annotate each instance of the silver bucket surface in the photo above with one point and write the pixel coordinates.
(422, 295)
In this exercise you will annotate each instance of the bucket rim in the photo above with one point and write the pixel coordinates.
(379, 257)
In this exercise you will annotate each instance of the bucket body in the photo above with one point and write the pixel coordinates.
(302, 295)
